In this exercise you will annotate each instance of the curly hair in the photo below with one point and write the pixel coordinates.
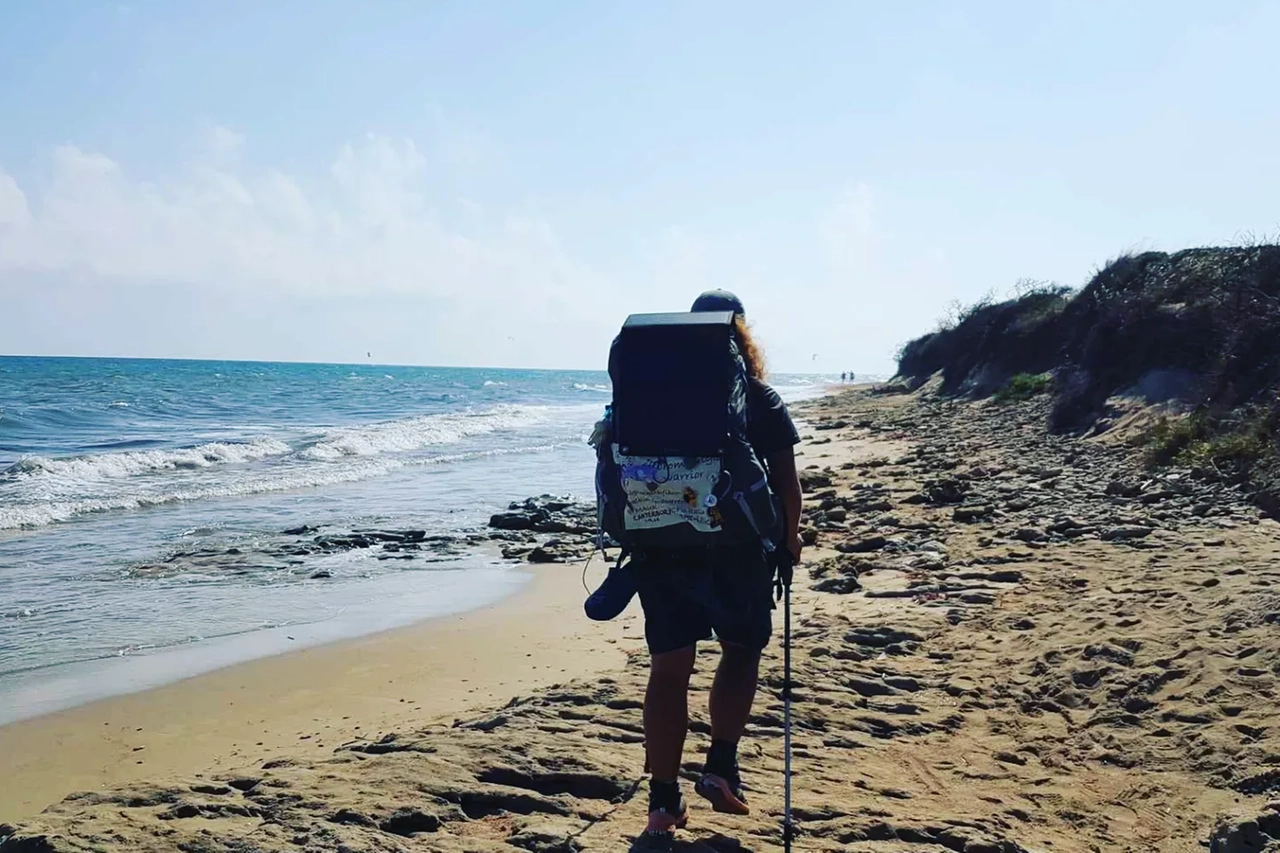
(751, 352)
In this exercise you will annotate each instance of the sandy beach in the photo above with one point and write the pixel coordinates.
(1005, 642)
(307, 702)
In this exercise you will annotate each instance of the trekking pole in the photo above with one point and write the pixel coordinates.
(788, 828)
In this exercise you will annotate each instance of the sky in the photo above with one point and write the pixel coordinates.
(501, 184)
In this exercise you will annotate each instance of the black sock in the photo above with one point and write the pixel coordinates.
(664, 795)
(722, 758)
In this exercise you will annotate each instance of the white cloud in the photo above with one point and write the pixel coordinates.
(481, 285)
(504, 288)
(368, 229)
(13, 202)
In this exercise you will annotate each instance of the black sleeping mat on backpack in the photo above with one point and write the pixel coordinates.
(672, 374)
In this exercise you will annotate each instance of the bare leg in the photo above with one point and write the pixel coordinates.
(733, 692)
(666, 712)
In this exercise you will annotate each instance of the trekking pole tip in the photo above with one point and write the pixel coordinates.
(789, 833)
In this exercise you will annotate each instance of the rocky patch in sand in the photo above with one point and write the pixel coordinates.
(546, 529)
(296, 551)
(1135, 632)
(1254, 834)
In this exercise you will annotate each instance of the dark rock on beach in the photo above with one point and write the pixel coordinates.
(570, 526)
(862, 546)
(839, 585)
(813, 480)
(290, 555)
(547, 515)
(512, 521)
(1256, 834)
(945, 491)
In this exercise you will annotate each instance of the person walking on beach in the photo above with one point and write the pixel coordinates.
(723, 591)
(728, 592)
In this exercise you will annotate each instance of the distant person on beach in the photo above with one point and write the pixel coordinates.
(722, 591)
(842, 378)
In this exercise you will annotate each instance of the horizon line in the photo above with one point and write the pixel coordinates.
(353, 364)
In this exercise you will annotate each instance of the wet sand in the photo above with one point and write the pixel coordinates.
(307, 702)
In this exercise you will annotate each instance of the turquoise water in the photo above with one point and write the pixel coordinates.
(110, 467)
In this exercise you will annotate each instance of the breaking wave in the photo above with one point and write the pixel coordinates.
(39, 514)
(39, 490)
(417, 433)
(132, 463)
(262, 482)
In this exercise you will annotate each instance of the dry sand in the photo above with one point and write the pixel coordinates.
(1004, 642)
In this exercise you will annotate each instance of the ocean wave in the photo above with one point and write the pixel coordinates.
(364, 440)
(29, 515)
(599, 389)
(493, 383)
(123, 444)
(132, 463)
(419, 433)
(303, 476)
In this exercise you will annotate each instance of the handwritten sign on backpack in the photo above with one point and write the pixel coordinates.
(664, 492)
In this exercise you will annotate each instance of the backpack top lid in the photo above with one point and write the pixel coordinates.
(684, 318)
(673, 375)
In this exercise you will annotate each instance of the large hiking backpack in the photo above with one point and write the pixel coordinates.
(674, 466)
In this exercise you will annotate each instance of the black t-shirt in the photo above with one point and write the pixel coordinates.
(769, 427)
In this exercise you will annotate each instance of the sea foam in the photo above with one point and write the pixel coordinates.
(44, 491)
(419, 433)
(135, 462)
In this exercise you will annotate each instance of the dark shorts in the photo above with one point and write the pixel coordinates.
(689, 596)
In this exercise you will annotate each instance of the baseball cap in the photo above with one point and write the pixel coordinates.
(718, 300)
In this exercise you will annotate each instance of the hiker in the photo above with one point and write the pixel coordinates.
(842, 378)
(692, 594)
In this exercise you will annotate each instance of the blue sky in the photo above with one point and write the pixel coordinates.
(501, 183)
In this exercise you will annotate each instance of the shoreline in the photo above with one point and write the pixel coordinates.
(180, 723)
(308, 701)
(419, 597)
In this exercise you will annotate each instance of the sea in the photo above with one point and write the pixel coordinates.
(111, 469)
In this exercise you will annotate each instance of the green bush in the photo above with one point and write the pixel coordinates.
(1226, 443)
(1232, 449)
(1024, 386)
(1169, 438)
